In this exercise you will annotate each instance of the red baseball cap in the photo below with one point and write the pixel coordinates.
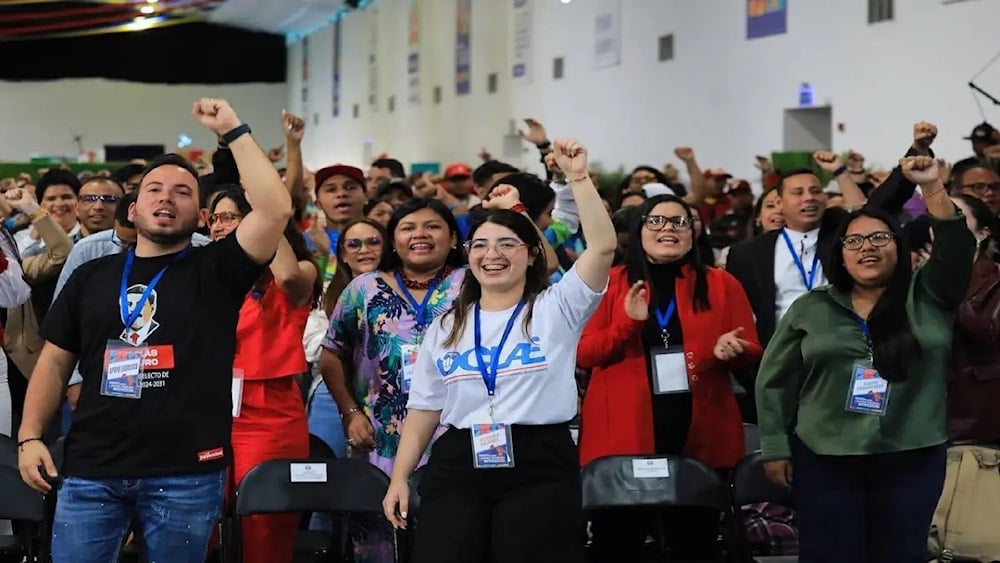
(354, 173)
(717, 173)
(457, 170)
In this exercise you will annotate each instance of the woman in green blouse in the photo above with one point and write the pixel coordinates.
(851, 390)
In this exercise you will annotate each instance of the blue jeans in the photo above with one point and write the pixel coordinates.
(324, 420)
(324, 423)
(173, 515)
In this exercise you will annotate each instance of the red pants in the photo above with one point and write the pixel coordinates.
(272, 424)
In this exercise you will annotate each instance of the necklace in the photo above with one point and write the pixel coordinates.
(411, 283)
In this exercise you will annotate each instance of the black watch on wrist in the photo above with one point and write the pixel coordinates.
(839, 171)
(543, 146)
(236, 133)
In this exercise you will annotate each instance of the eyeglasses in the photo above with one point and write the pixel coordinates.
(504, 246)
(356, 244)
(981, 187)
(93, 198)
(224, 218)
(878, 240)
(658, 222)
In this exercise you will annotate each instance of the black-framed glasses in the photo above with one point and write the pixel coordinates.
(878, 240)
(658, 222)
(94, 198)
(224, 218)
(981, 187)
(356, 244)
(504, 246)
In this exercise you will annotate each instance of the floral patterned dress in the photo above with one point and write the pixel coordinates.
(370, 324)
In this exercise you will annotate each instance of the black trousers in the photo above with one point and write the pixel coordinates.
(866, 508)
(529, 513)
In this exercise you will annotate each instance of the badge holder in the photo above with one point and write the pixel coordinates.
(492, 446)
(122, 374)
(237, 392)
(407, 364)
(869, 392)
(669, 370)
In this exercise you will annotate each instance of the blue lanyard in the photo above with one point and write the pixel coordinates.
(419, 310)
(863, 325)
(129, 317)
(663, 319)
(334, 236)
(490, 374)
(808, 281)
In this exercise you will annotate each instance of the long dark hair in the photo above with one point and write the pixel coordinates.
(637, 264)
(895, 348)
(984, 220)
(344, 275)
(292, 234)
(536, 278)
(390, 259)
(755, 228)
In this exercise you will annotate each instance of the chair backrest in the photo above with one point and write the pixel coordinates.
(751, 437)
(750, 485)
(317, 485)
(415, 489)
(320, 449)
(18, 501)
(651, 480)
(8, 451)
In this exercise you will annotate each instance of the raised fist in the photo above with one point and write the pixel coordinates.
(686, 154)
(923, 135)
(827, 161)
(922, 170)
(571, 157)
(502, 196)
(536, 132)
(216, 115)
(294, 127)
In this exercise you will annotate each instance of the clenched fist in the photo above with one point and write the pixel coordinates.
(216, 115)
(827, 161)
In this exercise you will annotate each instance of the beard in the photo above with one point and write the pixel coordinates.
(166, 236)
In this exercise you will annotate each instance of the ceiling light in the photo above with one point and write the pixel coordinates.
(147, 9)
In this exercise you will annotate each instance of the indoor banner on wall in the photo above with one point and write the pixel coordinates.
(521, 57)
(335, 98)
(607, 34)
(373, 58)
(766, 17)
(305, 75)
(413, 58)
(463, 51)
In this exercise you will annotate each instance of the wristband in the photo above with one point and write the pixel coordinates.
(350, 412)
(839, 171)
(26, 440)
(9, 224)
(578, 179)
(236, 133)
(38, 214)
(518, 208)
(543, 146)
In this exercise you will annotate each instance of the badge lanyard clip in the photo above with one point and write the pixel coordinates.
(663, 319)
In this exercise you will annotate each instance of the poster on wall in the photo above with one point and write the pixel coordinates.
(463, 52)
(305, 75)
(521, 57)
(413, 56)
(766, 17)
(607, 34)
(335, 98)
(373, 58)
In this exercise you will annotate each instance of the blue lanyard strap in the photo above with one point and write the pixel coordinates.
(129, 317)
(490, 373)
(419, 309)
(663, 317)
(863, 325)
(811, 278)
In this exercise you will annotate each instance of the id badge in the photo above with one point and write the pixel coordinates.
(869, 393)
(409, 360)
(492, 446)
(669, 370)
(122, 375)
(237, 391)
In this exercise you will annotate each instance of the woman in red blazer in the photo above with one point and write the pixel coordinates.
(661, 346)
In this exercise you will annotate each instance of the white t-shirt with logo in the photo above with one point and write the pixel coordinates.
(536, 382)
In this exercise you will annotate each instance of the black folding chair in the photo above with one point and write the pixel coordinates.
(619, 482)
(8, 451)
(21, 503)
(750, 485)
(751, 438)
(351, 486)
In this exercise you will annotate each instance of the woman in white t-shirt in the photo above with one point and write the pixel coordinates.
(502, 483)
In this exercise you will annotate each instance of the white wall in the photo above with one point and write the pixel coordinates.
(722, 94)
(41, 118)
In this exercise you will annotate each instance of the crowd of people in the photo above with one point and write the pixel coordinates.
(180, 325)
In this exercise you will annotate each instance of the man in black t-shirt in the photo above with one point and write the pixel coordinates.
(154, 332)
